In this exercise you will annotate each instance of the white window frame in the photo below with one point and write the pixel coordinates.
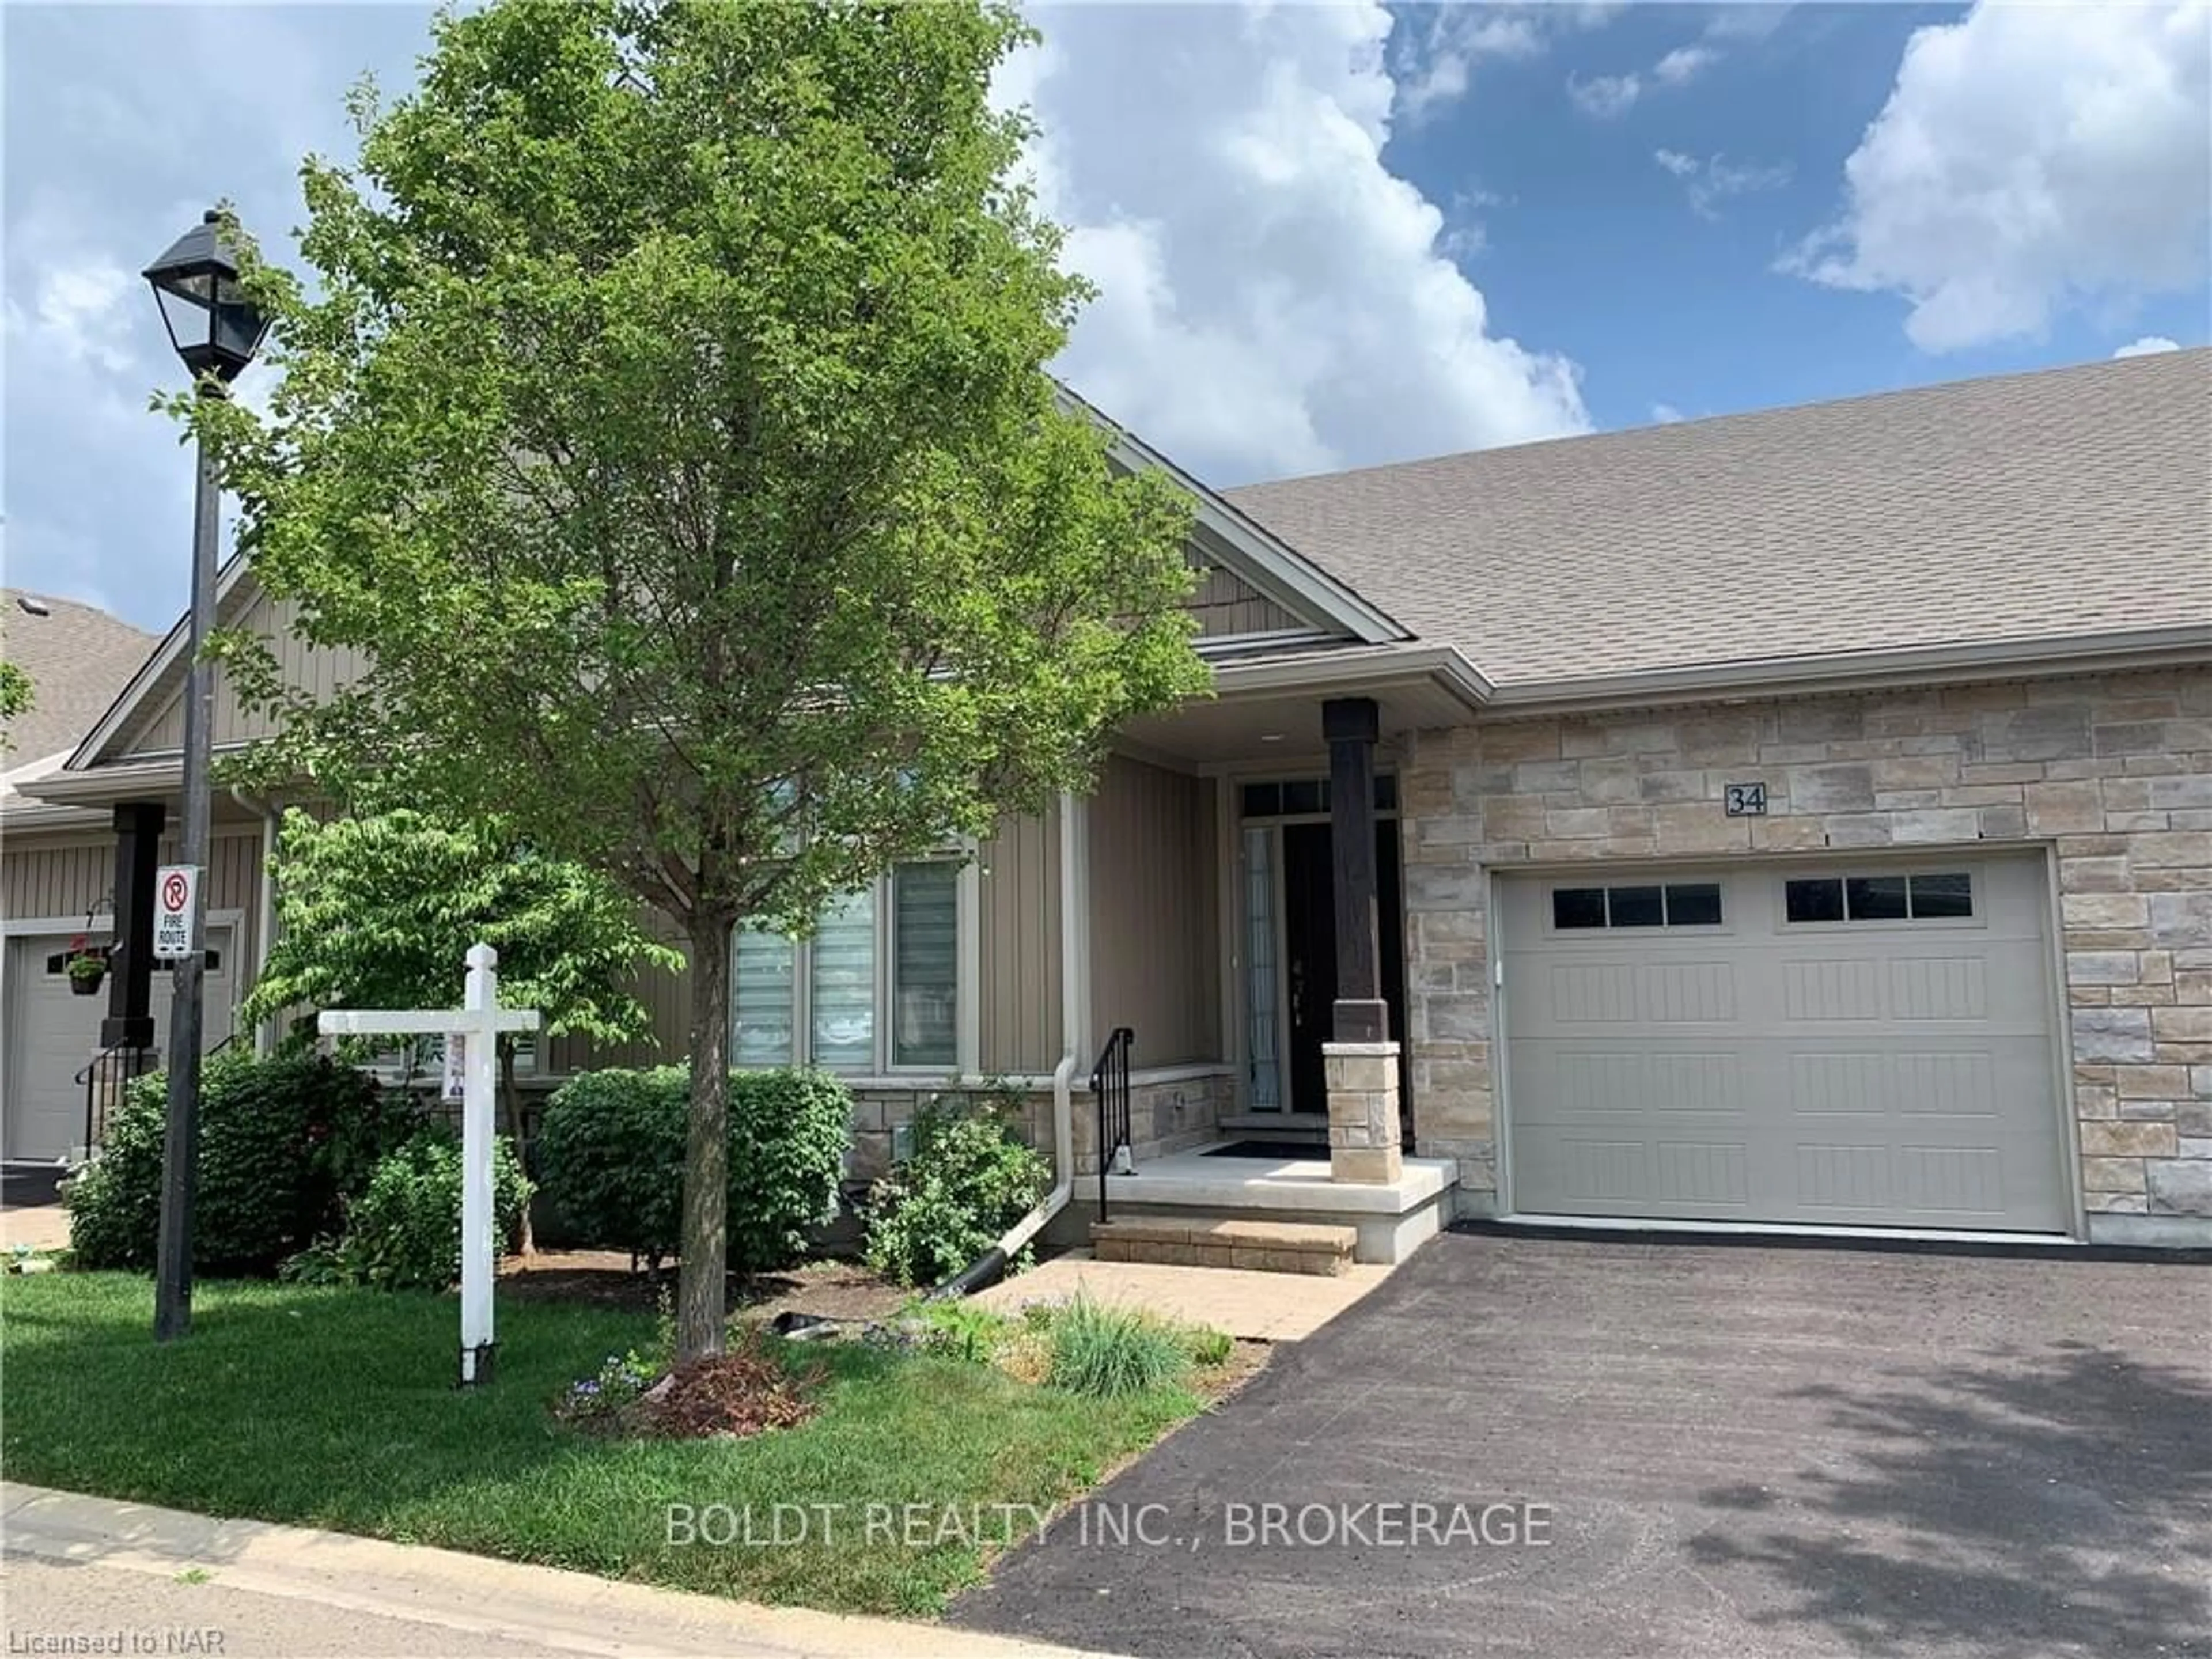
(967, 961)
(1976, 917)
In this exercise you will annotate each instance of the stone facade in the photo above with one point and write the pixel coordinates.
(2114, 774)
(1364, 1135)
(1169, 1112)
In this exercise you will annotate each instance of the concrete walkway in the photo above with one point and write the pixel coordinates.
(41, 1226)
(1259, 1307)
(87, 1566)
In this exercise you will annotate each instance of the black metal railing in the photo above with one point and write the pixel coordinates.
(104, 1077)
(1110, 1083)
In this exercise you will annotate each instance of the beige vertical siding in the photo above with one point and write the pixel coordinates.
(1020, 927)
(1154, 926)
(667, 997)
(233, 882)
(60, 880)
(1227, 604)
(311, 668)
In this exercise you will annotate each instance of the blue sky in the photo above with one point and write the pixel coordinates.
(1326, 234)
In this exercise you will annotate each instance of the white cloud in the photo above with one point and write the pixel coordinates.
(1665, 414)
(1745, 22)
(1435, 65)
(78, 313)
(2150, 346)
(1604, 97)
(1271, 299)
(1683, 63)
(1709, 182)
(1436, 50)
(2031, 159)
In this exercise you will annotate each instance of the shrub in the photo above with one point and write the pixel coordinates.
(970, 1180)
(405, 1230)
(609, 1157)
(1109, 1351)
(281, 1142)
(610, 1153)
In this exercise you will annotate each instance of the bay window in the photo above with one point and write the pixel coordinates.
(876, 989)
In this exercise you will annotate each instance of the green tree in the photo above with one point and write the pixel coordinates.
(15, 700)
(669, 425)
(378, 912)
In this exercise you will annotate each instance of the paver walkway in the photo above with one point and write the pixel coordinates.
(42, 1227)
(1259, 1307)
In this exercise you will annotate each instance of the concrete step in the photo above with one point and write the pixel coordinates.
(1276, 1247)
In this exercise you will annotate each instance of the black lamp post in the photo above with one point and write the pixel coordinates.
(215, 330)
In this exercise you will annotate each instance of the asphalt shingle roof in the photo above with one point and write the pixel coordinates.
(2067, 501)
(79, 658)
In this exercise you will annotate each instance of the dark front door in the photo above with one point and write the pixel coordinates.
(1310, 949)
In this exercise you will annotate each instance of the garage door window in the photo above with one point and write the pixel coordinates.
(1945, 896)
(58, 962)
(1676, 904)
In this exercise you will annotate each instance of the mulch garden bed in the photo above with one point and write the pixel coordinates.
(826, 1288)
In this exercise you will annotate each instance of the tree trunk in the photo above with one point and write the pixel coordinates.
(510, 1094)
(701, 1293)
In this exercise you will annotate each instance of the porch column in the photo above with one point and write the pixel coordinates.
(129, 1022)
(1351, 725)
(1361, 1066)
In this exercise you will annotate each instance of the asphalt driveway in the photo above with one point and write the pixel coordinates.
(1729, 1450)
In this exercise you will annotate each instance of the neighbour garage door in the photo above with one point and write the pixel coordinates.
(1845, 1044)
(52, 1032)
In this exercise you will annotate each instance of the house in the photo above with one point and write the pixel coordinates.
(75, 655)
(1799, 820)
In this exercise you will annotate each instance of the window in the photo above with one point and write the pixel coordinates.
(1635, 907)
(841, 998)
(1944, 897)
(924, 965)
(875, 987)
(1306, 796)
(1676, 904)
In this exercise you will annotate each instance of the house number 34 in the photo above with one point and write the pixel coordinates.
(1746, 801)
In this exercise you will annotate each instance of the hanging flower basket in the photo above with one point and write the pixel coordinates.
(87, 968)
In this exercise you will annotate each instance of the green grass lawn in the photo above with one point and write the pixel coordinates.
(334, 1408)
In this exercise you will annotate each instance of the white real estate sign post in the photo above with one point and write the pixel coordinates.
(477, 1023)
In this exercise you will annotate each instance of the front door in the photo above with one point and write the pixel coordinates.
(1288, 977)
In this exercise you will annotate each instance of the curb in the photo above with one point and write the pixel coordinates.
(551, 1606)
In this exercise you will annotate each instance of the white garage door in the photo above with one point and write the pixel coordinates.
(52, 1032)
(1845, 1045)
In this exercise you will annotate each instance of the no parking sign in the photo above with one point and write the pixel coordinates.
(176, 898)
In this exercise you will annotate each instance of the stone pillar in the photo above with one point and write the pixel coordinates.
(1364, 1131)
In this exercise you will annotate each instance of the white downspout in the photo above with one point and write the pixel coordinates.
(1075, 1018)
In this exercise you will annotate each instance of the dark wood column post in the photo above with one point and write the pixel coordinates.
(129, 1022)
(1352, 725)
